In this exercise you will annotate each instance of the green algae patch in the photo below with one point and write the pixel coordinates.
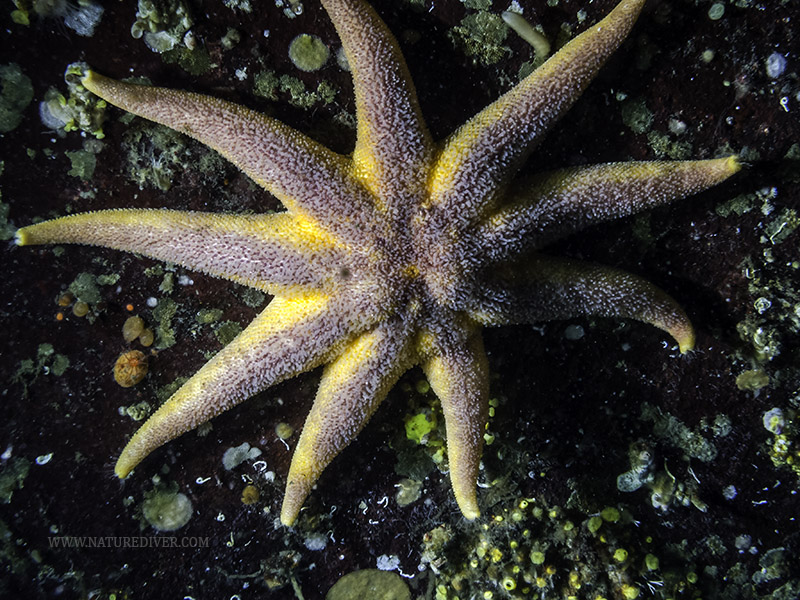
(83, 164)
(610, 514)
(154, 271)
(481, 36)
(665, 147)
(195, 61)
(79, 110)
(165, 391)
(737, 206)
(137, 412)
(231, 39)
(84, 288)
(308, 52)
(16, 93)
(752, 380)
(421, 445)
(12, 477)
(163, 314)
(408, 491)
(47, 362)
(593, 525)
(108, 279)
(414, 463)
(166, 28)
(163, 24)
(526, 68)
(420, 426)
(227, 331)
(155, 155)
(636, 116)
(165, 509)
(252, 297)
(60, 365)
(370, 583)
(7, 230)
(207, 316)
(167, 285)
(477, 4)
(268, 85)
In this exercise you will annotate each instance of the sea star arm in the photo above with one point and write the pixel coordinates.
(393, 146)
(459, 376)
(549, 206)
(290, 336)
(272, 252)
(554, 288)
(352, 387)
(310, 180)
(480, 157)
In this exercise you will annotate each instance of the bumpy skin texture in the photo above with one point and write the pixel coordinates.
(395, 256)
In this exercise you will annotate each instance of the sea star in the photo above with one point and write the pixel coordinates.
(395, 256)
